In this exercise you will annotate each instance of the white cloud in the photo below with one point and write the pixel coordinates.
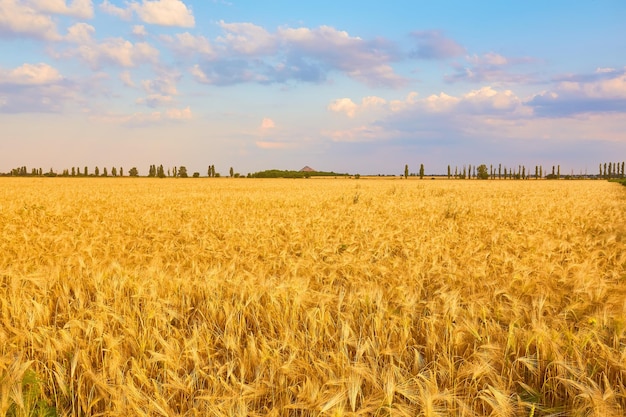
(113, 51)
(164, 13)
(343, 105)
(127, 79)
(19, 19)
(487, 99)
(602, 92)
(267, 123)
(164, 84)
(161, 90)
(490, 58)
(434, 45)
(199, 75)
(188, 44)
(155, 12)
(140, 31)
(441, 103)
(114, 10)
(301, 54)
(77, 8)
(29, 74)
(365, 61)
(32, 88)
(247, 39)
(350, 108)
(80, 33)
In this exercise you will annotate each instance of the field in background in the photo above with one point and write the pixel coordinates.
(225, 297)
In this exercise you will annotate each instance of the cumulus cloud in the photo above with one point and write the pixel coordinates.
(247, 39)
(80, 33)
(165, 13)
(29, 74)
(18, 19)
(426, 117)
(489, 68)
(33, 88)
(343, 105)
(155, 12)
(82, 9)
(601, 92)
(160, 91)
(109, 8)
(249, 53)
(433, 44)
(188, 44)
(112, 51)
(350, 108)
(140, 31)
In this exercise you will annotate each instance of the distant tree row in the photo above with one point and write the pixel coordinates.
(276, 173)
(607, 170)
(611, 170)
(73, 172)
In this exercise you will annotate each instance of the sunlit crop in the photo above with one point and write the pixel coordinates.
(240, 297)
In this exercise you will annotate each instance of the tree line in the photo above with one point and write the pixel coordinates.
(609, 170)
(606, 170)
(153, 171)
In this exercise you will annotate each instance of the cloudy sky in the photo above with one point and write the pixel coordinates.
(349, 86)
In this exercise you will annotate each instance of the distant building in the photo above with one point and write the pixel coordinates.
(307, 169)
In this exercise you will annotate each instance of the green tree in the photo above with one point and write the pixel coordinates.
(104, 173)
(182, 172)
(161, 172)
(114, 171)
(499, 171)
(86, 171)
(449, 171)
(406, 171)
(73, 171)
(558, 172)
(121, 172)
(421, 171)
(482, 172)
(133, 172)
(97, 172)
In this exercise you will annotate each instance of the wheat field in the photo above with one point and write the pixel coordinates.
(239, 297)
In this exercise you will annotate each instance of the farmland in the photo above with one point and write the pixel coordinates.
(244, 297)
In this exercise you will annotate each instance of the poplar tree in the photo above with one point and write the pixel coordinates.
(421, 171)
(406, 171)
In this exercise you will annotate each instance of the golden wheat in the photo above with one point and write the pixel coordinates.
(312, 297)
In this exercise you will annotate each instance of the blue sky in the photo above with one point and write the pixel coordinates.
(347, 86)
